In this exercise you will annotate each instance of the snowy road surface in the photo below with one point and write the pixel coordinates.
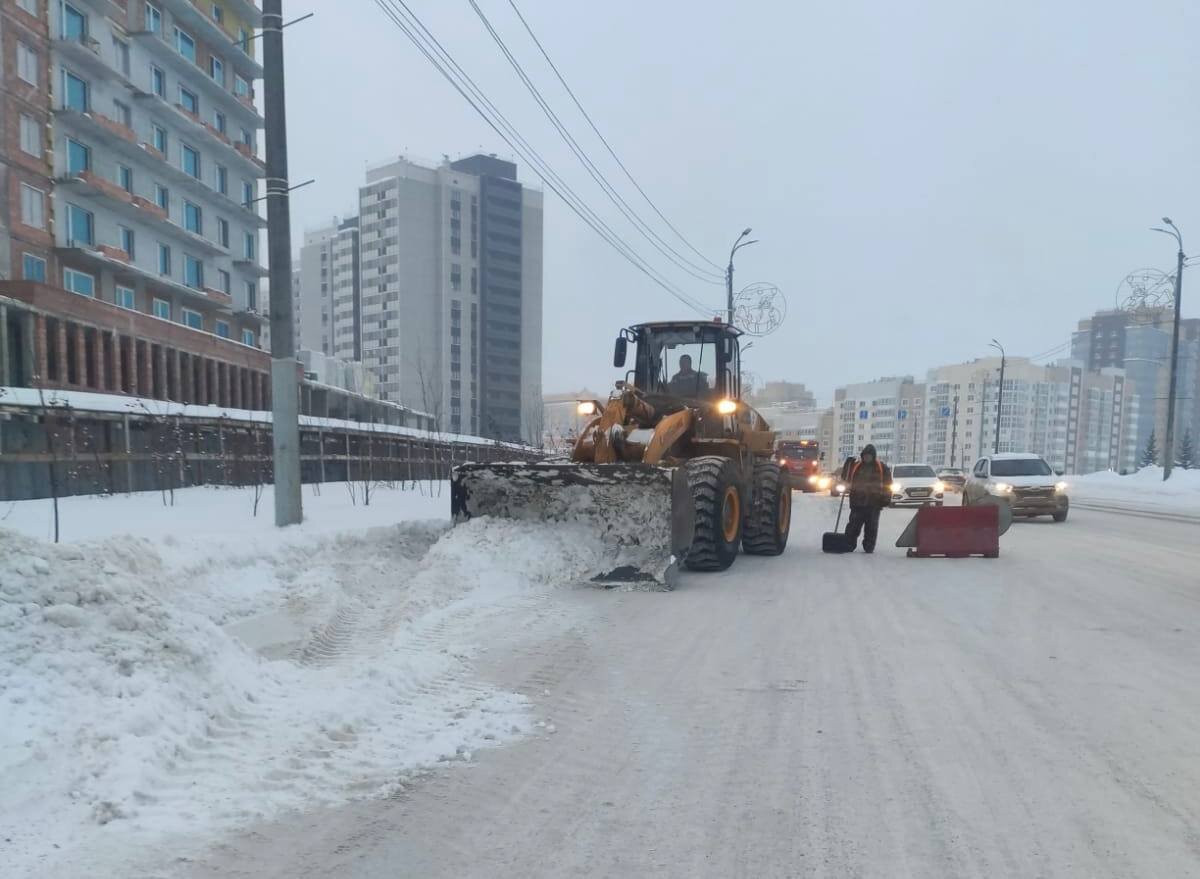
(1036, 715)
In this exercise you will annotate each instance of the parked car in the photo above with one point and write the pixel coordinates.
(1026, 481)
(954, 478)
(916, 485)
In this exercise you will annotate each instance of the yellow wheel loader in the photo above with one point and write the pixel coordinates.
(673, 468)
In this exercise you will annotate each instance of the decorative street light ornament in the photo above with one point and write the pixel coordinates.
(759, 309)
(1147, 295)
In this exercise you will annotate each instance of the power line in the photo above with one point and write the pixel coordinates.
(604, 140)
(428, 45)
(696, 271)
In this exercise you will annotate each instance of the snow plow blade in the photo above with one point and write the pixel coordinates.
(643, 514)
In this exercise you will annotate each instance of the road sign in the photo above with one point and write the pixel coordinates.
(863, 414)
(945, 412)
(902, 413)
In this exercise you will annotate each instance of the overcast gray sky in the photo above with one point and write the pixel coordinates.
(922, 176)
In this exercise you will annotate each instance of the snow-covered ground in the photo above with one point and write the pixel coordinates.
(171, 672)
(1142, 490)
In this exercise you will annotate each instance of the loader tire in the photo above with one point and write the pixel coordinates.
(770, 518)
(718, 503)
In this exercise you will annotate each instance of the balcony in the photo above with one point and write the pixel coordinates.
(200, 24)
(238, 152)
(196, 76)
(84, 52)
(123, 140)
(250, 267)
(87, 185)
(100, 257)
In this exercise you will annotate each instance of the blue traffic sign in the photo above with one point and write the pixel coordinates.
(901, 413)
(863, 414)
(945, 413)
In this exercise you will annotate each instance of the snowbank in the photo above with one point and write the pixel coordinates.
(1142, 490)
(208, 669)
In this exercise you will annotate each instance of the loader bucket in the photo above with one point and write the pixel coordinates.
(642, 513)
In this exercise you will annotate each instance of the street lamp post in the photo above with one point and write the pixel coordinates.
(999, 396)
(737, 245)
(1169, 439)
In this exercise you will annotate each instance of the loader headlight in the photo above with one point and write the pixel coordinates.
(1001, 488)
(1060, 487)
(727, 407)
(587, 407)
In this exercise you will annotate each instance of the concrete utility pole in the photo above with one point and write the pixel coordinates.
(285, 370)
(1169, 438)
(737, 245)
(999, 396)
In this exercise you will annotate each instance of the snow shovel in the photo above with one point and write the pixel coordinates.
(834, 541)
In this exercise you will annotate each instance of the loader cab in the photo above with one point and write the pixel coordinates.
(693, 361)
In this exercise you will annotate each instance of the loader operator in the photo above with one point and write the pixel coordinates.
(868, 482)
(687, 382)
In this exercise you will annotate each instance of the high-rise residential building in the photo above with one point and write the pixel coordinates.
(130, 238)
(868, 412)
(1139, 342)
(451, 293)
(326, 291)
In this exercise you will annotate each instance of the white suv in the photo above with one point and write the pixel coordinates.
(916, 485)
(1026, 481)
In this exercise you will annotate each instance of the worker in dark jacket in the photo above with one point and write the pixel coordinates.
(869, 484)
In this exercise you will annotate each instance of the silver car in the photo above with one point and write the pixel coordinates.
(1026, 481)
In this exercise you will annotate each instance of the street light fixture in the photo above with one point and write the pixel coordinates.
(737, 245)
(1169, 439)
(1000, 396)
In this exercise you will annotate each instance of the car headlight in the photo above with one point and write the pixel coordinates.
(812, 480)
(841, 488)
(939, 487)
(824, 482)
(1060, 487)
(1000, 488)
(896, 486)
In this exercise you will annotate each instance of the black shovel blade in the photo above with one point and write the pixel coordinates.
(836, 542)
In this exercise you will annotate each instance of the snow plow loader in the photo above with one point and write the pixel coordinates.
(673, 468)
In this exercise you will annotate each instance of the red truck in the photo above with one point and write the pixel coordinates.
(801, 461)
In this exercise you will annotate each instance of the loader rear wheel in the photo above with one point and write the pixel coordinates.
(714, 484)
(770, 518)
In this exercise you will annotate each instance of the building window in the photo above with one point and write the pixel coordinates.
(160, 139)
(33, 268)
(162, 309)
(27, 63)
(79, 282)
(248, 337)
(31, 136)
(75, 93)
(193, 319)
(158, 81)
(126, 298)
(79, 157)
(185, 44)
(193, 272)
(153, 19)
(247, 138)
(218, 14)
(216, 69)
(33, 207)
(189, 101)
(223, 232)
(222, 180)
(125, 177)
(80, 226)
(164, 259)
(162, 197)
(248, 246)
(251, 296)
(223, 280)
(241, 88)
(219, 121)
(74, 24)
(193, 219)
(123, 114)
(243, 40)
(223, 329)
(121, 51)
(247, 193)
(189, 160)
(30, 6)
(127, 242)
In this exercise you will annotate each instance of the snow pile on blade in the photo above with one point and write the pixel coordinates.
(643, 515)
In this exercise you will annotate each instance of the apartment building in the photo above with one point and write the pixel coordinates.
(130, 254)
(450, 266)
(869, 412)
(326, 292)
